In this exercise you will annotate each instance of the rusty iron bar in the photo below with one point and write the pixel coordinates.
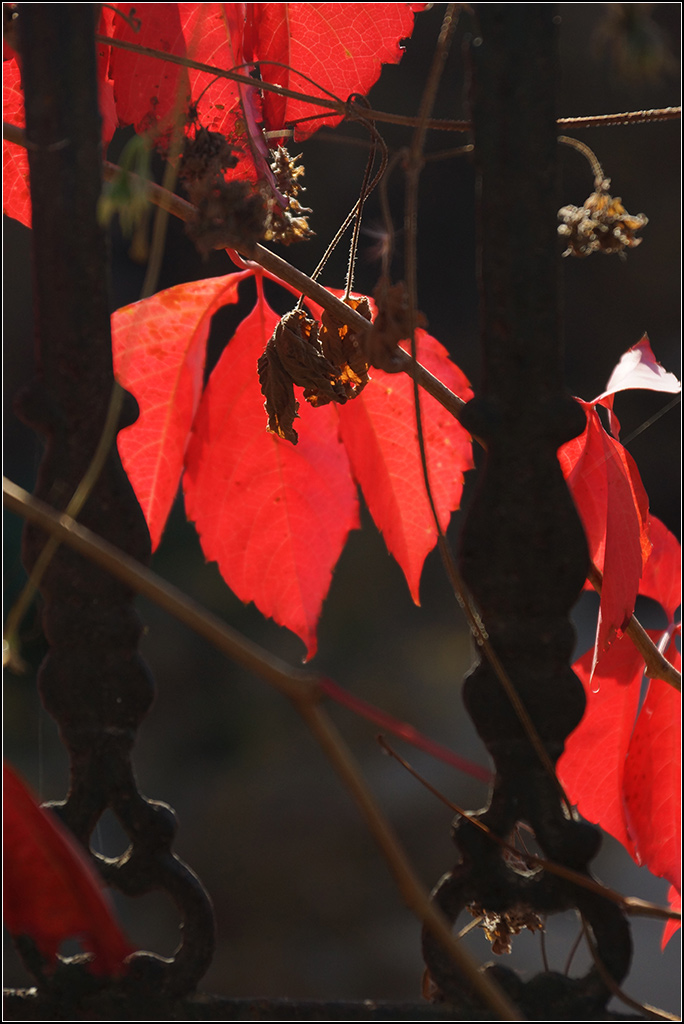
(92, 681)
(523, 554)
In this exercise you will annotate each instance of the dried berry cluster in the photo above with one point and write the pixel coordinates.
(601, 225)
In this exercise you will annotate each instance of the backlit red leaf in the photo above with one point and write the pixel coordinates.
(159, 346)
(51, 892)
(652, 779)
(591, 768)
(612, 503)
(273, 515)
(626, 776)
(340, 46)
(379, 432)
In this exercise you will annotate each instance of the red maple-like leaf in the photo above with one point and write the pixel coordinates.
(380, 434)
(274, 516)
(623, 770)
(159, 347)
(51, 892)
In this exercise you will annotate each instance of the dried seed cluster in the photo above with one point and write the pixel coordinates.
(601, 225)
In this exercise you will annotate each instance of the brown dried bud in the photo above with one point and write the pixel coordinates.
(500, 927)
(601, 225)
(392, 325)
(229, 214)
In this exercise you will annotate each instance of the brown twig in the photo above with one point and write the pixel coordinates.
(629, 904)
(656, 664)
(651, 1011)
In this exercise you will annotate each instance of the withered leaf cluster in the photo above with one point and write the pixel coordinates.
(499, 928)
(601, 225)
(325, 359)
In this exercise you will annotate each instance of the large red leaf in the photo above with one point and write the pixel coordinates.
(609, 495)
(51, 892)
(340, 46)
(379, 432)
(273, 515)
(613, 506)
(159, 346)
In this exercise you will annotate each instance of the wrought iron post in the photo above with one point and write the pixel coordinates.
(93, 682)
(523, 554)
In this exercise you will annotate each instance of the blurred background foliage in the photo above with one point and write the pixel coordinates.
(305, 907)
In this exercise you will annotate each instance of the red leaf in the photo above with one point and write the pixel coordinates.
(340, 46)
(662, 578)
(379, 432)
(591, 768)
(626, 776)
(159, 346)
(148, 90)
(51, 891)
(613, 506)
(274, 516)
(16, 198)
(652, 779)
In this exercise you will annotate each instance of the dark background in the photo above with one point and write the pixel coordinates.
(305, 906)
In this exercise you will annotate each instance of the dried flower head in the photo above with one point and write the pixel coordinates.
(601, 225)
(287, 223)
(499, 928)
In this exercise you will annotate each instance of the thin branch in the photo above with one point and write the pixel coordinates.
(609, 981)
(410, 888)
(302, 689)
(342, 107)
(293, 683)
(629, 904)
